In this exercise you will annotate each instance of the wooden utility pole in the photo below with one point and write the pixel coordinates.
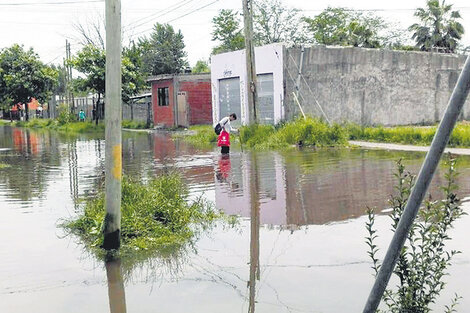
(250, 61)
(113, 144)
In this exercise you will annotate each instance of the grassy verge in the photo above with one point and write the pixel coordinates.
(409, 134)
(133, 124)
(70, 127)
(156, 217)
(307, 132)
(3, 165)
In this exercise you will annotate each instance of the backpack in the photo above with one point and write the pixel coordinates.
(217, 129)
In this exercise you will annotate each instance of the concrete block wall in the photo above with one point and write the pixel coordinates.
(139, 112)
(372, 86)
(199, 100)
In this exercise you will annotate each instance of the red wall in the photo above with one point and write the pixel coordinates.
(163, 115)
(199, 101)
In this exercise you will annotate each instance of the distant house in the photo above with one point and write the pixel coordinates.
(181, 99)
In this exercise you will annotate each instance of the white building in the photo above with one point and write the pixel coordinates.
(229, 90)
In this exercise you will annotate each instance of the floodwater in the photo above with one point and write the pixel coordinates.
(299, 246)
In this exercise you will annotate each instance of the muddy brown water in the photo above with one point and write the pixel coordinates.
(308, 237)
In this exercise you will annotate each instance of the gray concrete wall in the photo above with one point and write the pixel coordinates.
(372, 86)
(140, 111)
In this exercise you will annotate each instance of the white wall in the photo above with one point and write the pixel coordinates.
(268, 59)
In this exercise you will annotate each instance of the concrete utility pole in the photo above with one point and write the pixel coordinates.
(250, 61)
(113, 145)
(457, 100)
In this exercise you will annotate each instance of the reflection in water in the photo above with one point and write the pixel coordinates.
(116, 292)
(254, 235)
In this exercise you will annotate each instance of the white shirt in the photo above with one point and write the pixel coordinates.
(225, 124)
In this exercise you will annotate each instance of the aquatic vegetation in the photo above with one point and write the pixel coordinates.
(3, 165)
(420, 135)
(199, 135)
(156, 217)
(424, 260)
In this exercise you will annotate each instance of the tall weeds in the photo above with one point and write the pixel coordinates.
(424, 260)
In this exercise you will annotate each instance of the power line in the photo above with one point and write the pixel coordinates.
(160, 13)
(181, 16)
(49, 3)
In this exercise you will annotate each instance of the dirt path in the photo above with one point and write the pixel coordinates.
(393, 146)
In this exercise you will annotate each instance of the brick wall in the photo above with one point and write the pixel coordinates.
(199, 101)
(163, 114)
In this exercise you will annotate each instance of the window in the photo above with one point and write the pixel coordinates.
(163, 97)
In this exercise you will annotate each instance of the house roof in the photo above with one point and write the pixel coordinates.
(180, 77)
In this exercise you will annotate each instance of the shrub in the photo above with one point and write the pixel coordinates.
(423, 261)
(155, 215)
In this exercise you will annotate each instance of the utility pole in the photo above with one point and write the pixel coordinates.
(439, 142)
(250, 61)
(113, 144)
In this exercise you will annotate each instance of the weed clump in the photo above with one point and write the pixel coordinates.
(134, 124)
(423, 261)
(155, 216)
(201, 135)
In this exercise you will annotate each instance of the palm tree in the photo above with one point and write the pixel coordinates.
(439, 28)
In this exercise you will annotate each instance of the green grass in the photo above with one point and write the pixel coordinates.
(3, 165)
(133, 124)
(199, 135)
(4, 122)
(156, 217)
(71, 127)
(415, 135)
(309, 132)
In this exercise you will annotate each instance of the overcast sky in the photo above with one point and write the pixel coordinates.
(46, 24)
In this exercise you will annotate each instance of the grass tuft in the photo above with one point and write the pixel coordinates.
(156, 216)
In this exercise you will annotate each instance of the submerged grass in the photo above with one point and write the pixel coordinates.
(200, 135)
(156, 218)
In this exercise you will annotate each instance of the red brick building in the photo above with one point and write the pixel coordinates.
(181, 100)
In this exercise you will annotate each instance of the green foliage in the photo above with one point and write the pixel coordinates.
(274, 22)
(344, 27)
(200, 135)
(23, 76)
(424, 260)
(460, 137)
(227, 30)
(3, 165)
(201, 67)
(439, 28)
(70, 127)
(304, 132)
(91, 61)
(133, 124)
(155, 215)
(65, 115)
(163, 52)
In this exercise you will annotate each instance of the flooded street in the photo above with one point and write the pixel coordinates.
(307, 237)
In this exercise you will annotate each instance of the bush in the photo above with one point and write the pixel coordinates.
(155, 215)
(423, 261)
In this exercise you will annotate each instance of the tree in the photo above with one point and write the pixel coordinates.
(23, 76)
(201, 67)
(227, 30)
(344, 27)
(91, 61)
(163, 51)
(274, 22)
(439, 28)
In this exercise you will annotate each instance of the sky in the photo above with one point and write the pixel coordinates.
(45, 25)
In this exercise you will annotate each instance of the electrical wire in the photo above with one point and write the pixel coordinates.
(49, 3)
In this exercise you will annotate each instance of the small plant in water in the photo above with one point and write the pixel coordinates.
(424, 260)
(156, 218)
